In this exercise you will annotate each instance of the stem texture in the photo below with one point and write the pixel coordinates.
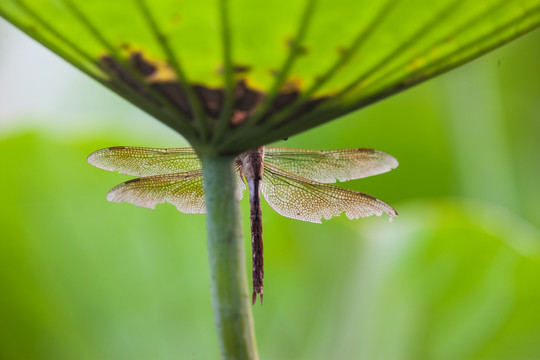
(230, 297)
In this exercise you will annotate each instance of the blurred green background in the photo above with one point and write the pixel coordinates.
(454, 277)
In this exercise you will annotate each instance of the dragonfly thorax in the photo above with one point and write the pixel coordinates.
(251, 163)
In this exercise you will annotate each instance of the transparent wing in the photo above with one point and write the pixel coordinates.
(326, 166)
(240, 184)
(183, 190)
(142, 161)
(307, 200)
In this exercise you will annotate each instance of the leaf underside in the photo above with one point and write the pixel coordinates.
(231, 75)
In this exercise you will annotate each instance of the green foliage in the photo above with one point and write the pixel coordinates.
(86, 279)
(452, 281)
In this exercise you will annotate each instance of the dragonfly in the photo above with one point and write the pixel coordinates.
(294, 182)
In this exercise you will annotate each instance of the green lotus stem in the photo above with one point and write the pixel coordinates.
(230, 296)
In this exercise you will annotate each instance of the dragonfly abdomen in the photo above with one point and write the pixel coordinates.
(252, 169)
(257, 241)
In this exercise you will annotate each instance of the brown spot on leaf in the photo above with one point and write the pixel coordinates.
(125, 46)
(212, 99)
(144, 67)
(300, 49)
(292, 85)
(241, 69)
(174, 93)
(119, 72)
(237, 69)
(341, 50)
(246, 100)
(152, 80)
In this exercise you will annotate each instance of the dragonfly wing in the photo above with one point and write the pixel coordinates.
(183, 190)
(240, 184)
(142, 161)
(327, 166)
(307, 200)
